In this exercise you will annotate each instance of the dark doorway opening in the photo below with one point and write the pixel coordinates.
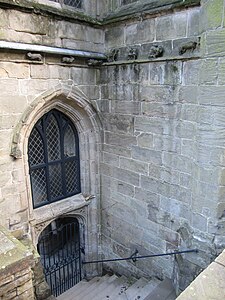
(59, 249)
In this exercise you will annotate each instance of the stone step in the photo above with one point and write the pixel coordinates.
(164, 291)
(98, 289)
(117, 289)
(114, 290)
(112, 283)
(81, 288)
(120, 288)
(75, 289)
(144, 289)
(133, 289)
(94, 284)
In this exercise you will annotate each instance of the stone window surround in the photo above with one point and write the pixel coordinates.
(34, 153)
(75, 105)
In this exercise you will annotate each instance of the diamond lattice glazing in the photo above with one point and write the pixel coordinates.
(36, 148)
(72, 178)
(69, 142)
(38, 178)
(73, 3)
(53, 139)
(55, 181)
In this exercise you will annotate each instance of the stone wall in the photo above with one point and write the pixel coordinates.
(16, 264)
(158, 103)
(29, 89)
(163, 155)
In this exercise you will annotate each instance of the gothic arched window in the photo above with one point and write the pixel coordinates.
(53, 155)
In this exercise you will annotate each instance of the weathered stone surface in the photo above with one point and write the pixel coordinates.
(161, 124)
(28, 23)
(212, 14)
(209, 72)
(142, 32)
(146, 155)
(215, 43)
(172, 26)
(193, 22)
(120, 139)
(11, 70)
(208, 285)
(133, 165)
(114, 37)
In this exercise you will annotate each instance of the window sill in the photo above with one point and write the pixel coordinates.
(56, 209)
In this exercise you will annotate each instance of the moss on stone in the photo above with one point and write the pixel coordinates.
(11, 250)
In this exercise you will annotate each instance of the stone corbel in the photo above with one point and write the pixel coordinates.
(132, 54)
(94, 62)
(113, 55)
(34, 56)
(189, 46)
(67, 59)
(156, 51)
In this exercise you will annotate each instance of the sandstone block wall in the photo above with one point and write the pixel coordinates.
(162, 128)
(15, 269)
(163, 153)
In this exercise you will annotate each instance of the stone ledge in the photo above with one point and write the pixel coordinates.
(210, 284)
(14, 256)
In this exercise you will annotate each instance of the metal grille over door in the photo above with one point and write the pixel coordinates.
(53, 151)
(59, 249)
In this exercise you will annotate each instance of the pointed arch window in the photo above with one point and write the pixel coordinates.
(53, 155)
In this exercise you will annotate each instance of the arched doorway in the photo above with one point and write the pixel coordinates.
(60, 252)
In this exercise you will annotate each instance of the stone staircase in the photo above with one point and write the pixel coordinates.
(120, 288)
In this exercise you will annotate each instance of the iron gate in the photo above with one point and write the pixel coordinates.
(59, 249)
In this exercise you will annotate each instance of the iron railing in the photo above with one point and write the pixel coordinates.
(134, 257)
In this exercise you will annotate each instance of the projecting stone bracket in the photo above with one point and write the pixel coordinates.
(187, 47)
(113, 55)
(94, 62)
(67, 59)
(132, 54)
(34, 56)
(156, 51)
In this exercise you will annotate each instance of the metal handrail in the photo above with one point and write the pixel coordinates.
(134, 256)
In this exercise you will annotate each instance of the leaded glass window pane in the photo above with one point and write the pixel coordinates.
(55, 179)
(39, 188)
(36, 148)
(72, 177)
(73, 3)
(53, 141)
(69, 142)
(53, 155)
